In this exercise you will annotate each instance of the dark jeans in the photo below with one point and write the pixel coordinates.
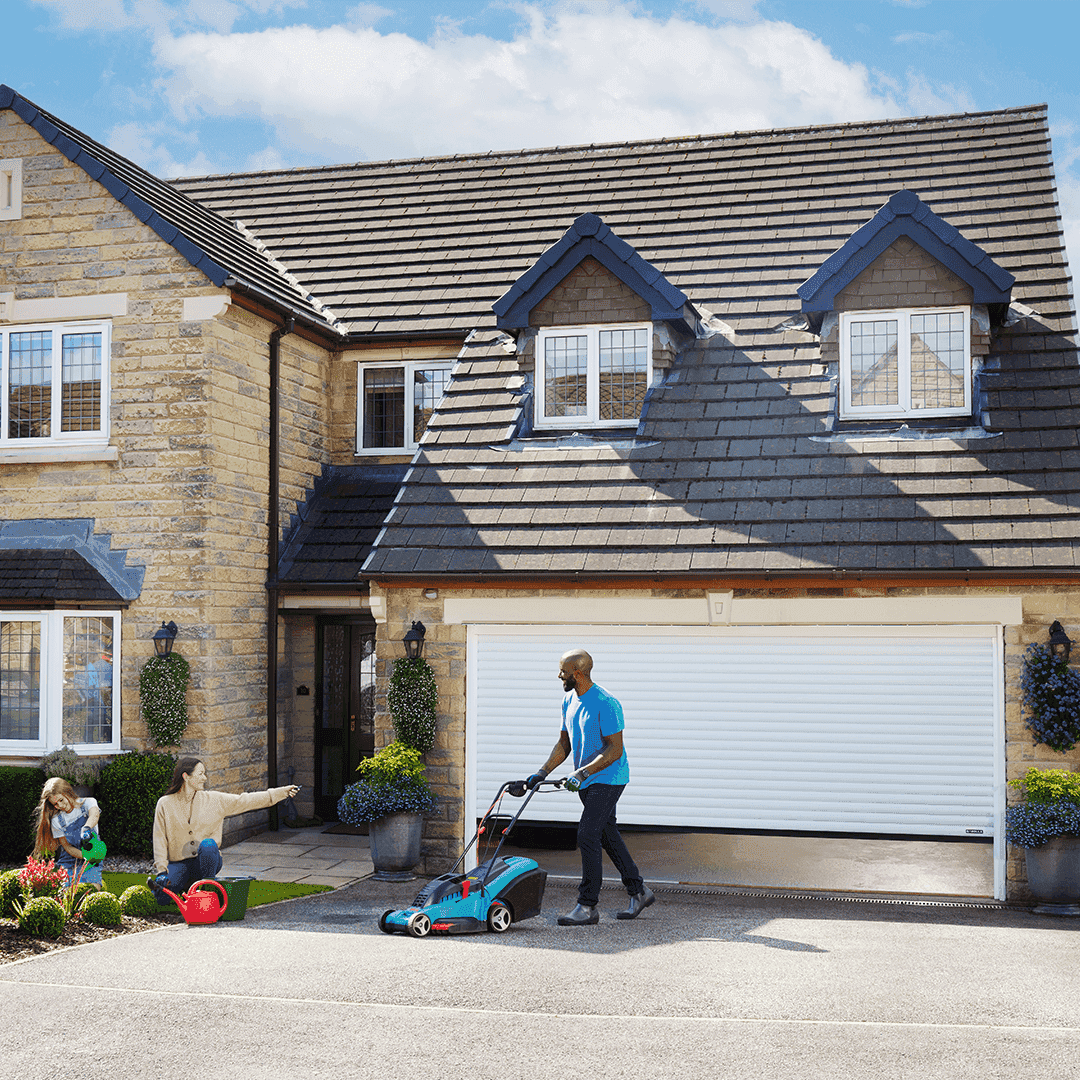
(204, 865)
(598, 831)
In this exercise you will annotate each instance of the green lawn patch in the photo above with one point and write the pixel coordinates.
(259, 892)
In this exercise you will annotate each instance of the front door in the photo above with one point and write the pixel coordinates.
(344, 707)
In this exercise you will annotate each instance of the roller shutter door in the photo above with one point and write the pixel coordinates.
(873, 730)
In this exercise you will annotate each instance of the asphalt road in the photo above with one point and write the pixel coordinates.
(699, 986)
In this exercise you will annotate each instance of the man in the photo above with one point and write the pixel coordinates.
(592, 729)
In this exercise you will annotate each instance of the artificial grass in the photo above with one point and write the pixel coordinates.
(259, 892)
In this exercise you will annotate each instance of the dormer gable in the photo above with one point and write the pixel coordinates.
(906, 215)
(588, 237)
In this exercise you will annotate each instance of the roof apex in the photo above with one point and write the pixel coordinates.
(905, 214)
(588, 235)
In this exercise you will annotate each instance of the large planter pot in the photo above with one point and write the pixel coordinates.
(395, 846)
(1053, 873)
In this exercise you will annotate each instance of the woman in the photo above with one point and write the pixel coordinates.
(188, 821)
(62, 819)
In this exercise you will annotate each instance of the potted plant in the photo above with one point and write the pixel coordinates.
(1047, 825)
(393, 795)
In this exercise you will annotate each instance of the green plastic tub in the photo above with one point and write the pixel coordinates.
(236, 889)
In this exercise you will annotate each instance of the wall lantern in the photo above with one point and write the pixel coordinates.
(164, 638)
(1060, 643)
(414, 640)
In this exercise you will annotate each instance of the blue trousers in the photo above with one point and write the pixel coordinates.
(598, 832)
(204, 865)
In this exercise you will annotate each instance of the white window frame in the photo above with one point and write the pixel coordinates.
(75, 439)
(903, 409)
(591, 418)
(10, 189)
(51, 699)
(409, 367)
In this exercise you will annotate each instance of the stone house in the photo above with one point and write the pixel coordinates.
(781, 426)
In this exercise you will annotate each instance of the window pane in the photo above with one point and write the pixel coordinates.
(20, 680)
(565, 371)
(88, 680)
(30, 385)
(428, 387)
(384, 406)
(938, 360)
(874, 372)
(80, 383)
(624, 368)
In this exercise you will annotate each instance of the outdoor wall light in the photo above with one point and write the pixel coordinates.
(414, 640)
(164, 638)
(1060, 642)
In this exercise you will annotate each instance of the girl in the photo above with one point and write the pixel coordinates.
(61, 818)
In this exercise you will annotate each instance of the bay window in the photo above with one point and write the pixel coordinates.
(57, 676)
(592, 376)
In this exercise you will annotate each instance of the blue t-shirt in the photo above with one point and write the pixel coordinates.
(585, 720)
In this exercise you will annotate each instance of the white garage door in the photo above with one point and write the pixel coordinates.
(884, 730)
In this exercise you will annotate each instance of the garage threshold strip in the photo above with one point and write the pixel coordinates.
(274, 999)
(693, 888)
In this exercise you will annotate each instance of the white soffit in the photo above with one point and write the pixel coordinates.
(720, 608)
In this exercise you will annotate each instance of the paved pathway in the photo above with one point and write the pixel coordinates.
(305, 855)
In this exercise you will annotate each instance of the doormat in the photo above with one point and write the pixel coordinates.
(340, 829)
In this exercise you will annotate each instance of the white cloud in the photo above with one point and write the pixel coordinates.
(593, 74)
(143, 143)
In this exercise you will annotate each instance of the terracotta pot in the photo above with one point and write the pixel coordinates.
(1053, 873)
(395, 846)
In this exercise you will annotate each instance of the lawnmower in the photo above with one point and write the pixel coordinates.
(499, 892)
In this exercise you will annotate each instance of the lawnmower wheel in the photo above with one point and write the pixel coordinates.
(384, 926)
(419, 925)
(499, 917)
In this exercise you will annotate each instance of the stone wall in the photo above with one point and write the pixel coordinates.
(445, 647)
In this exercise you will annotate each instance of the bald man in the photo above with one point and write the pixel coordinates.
(592, 730)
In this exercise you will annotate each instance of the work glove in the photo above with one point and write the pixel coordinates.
(534, 780)
(157, 885)
(574, 781)
(86, 837)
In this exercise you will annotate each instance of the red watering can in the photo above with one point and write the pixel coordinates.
(201, 907)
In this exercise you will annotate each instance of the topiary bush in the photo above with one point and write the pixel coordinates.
(101, 909)
(20, 789)
(10, 891)
(163, 697)
(43, 917)
(128, 790)
(82, 891)
(413, 701)
(138, 901)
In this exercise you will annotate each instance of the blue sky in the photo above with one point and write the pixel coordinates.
(200, 86)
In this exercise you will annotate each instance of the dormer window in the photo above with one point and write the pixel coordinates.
(592, 376)
(905, 363)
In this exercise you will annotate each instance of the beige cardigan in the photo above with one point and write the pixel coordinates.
(181, 824)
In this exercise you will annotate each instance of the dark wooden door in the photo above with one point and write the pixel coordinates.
(344, 707)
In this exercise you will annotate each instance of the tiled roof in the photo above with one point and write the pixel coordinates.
(210, 243)
(736, 222)
(739, 463)
(336, 526)
(57, 575)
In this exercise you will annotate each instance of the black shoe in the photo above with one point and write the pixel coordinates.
(580, 916)
(637, 904)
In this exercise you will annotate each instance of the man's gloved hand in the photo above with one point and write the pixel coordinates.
(535, 779)
(574, 781)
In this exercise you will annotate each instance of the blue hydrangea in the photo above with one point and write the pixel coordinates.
(1051, 705)
(1032, 824)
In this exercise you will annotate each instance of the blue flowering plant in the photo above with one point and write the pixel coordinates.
(391, 782)
(1051, 693)
(1051, 807)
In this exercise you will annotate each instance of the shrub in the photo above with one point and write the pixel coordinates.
(77, 771)
(82, 891)
(20, 790)
(392, 782)
(1048, 786)
(163, 697)
(128, 790)
(1051, 807)
(101, 909)
(43, 917)
(10, 891)
(138, 901)
(413, 700)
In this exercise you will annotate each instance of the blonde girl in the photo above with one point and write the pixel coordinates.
(62, 818)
